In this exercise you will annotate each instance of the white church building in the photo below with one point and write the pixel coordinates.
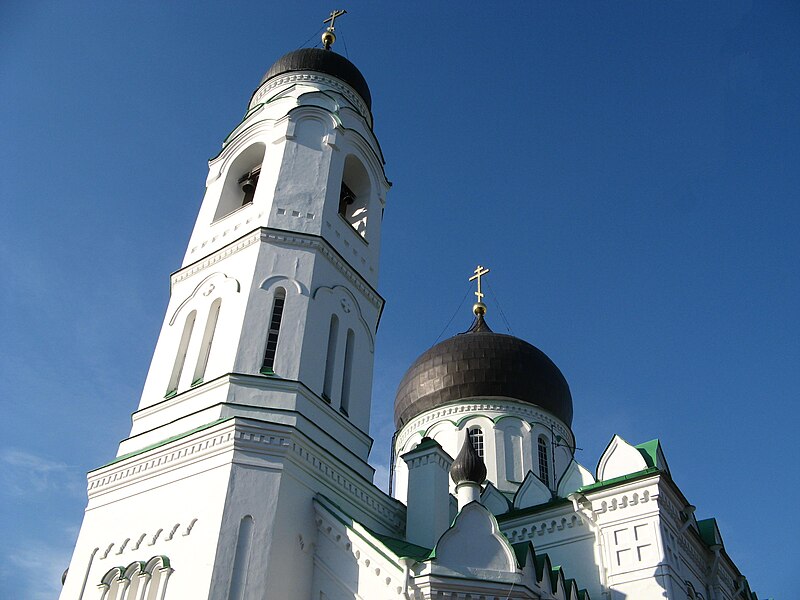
(245, 473)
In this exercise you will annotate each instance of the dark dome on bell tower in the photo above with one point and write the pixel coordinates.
(322, 61)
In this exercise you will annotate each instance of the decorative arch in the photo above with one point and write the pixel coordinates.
(217, 283)
(525, 424)
(271, 282)
(348, 307)
(140, 580)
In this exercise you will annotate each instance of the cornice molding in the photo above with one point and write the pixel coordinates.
(323, 247)
(256, 437)
(289, 238)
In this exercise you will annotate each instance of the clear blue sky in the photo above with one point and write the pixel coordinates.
(628, 170)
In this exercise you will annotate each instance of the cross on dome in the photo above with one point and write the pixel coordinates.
(329, 36)
(479, 308)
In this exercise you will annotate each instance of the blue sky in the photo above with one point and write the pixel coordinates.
(628, 170)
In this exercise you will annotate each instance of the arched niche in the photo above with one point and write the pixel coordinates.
(241, 180)
(355, 194)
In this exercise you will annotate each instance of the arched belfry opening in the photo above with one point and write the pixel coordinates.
(354, 195)
(241, 180)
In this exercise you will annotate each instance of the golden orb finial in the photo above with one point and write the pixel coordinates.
(479, 308)
(328, 37)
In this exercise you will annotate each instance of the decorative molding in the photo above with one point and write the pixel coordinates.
(206, 288)
(542, 527)
(319, 245)
(265, 234)
(368, 558)
(152, 542)
(624, 501)
(273, 440)
(215, 257)
(347, 303)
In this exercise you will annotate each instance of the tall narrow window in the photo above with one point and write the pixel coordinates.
(544, 461)
(330, 361)
(180, 357)
(348, 372)
(208, 338)
(274, 329)
(476, 439)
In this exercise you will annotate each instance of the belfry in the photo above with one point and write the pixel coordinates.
(245, 473)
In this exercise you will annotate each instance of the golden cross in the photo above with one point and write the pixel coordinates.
(332, 19)
(479, 272)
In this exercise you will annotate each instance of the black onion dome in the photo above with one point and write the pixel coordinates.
(322, 61)
(477, 364)
(468, 465)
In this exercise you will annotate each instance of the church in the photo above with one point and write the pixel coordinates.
(245, 472)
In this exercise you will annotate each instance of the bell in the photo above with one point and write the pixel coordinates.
(249, 185)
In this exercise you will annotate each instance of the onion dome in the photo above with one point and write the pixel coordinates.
(468, 465)
(480, 363)
(322, 61)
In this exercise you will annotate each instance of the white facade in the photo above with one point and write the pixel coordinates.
(245, 474)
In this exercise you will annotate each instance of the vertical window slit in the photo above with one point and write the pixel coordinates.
(330, 361)
(544, 461)
(272, 334)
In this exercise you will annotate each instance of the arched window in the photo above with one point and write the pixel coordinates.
(241, 180)
(272, 333)
(139, 581)
(208, 338)
(344, 407)
(544, 460)
(476, 439)
(354, 195)
(330, 360)
(180, 357)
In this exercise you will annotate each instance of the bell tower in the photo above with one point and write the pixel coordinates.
(258, 394)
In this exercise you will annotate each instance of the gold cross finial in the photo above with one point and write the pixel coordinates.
(329, 37)
(480, 307)
(334, 15)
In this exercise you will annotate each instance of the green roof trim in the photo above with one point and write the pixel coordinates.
(401, 548)
(368, 533)
(530, 510)
(165, 441)
(425, 444)
(621, 479)
(649, 451)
